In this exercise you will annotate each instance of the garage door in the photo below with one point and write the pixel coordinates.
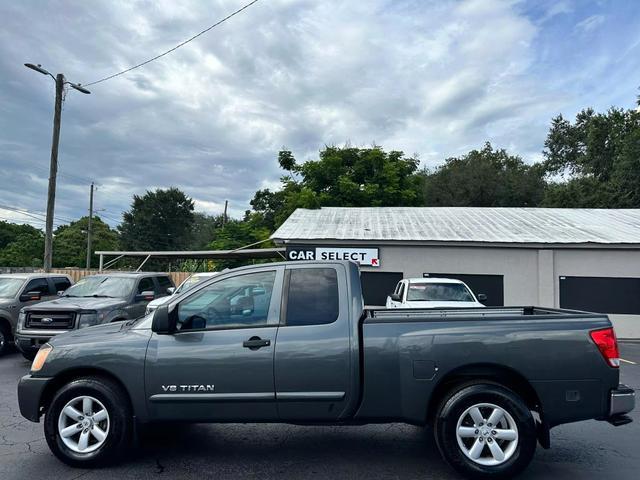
(491, 285)
(601, 294)
(376, 286)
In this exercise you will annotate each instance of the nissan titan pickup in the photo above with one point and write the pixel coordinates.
(292, 343)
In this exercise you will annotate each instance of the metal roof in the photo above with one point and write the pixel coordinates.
(464, 224)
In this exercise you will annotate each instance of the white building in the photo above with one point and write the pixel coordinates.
(585, 259)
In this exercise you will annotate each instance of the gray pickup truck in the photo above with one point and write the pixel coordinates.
(94, 300)
(293, 343)
(18, 290)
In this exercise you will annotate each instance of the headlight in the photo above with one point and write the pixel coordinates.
(87, 320)
(41, 357)
(21, 318)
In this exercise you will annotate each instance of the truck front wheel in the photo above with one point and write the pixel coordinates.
(88, 422)
(484, 430)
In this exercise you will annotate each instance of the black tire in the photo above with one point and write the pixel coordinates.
(29, 354)
(115, 401)
(454, 407)
(5, 339)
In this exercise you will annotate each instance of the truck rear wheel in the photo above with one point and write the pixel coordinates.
(484, 430)
(88, 422)
(5, 338)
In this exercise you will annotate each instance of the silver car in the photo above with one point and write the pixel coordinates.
(19, 290)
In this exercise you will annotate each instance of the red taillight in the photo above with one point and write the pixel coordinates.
(607, 343)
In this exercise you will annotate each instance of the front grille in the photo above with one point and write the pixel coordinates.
(50, 320)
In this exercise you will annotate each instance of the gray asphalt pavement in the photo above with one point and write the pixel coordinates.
(579, 451)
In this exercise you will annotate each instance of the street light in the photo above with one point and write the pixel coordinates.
(53, 167)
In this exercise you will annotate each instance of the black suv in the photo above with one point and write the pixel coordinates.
(94, 300)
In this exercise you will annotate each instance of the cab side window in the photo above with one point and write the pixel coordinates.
(240, 301)
(61, 283)
(401, 291)
(164, 283)
(146, 285)
(313, 296)
(38, 285)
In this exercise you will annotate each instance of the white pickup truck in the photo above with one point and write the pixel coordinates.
(433, 293)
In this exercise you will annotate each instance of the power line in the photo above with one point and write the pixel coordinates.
(172, 49)
(32, 213)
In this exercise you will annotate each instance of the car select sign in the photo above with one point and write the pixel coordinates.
(363, 256)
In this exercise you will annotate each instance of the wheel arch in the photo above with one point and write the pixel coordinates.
(5, 324)
(72, 374)
(493, 373)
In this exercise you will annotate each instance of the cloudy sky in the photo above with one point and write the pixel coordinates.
(432, 78)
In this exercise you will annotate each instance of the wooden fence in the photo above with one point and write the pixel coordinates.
(77, 273)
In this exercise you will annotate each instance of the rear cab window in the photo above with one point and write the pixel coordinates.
(313, 296)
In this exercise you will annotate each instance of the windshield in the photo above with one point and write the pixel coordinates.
(189, 282)
(9, 287)
(97, 286)
(438, 292)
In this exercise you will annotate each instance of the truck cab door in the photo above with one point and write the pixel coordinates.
(316, 375)
(218, 365)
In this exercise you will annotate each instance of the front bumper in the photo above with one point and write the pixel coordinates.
(622, 401)
(31, 343)
(30, 391)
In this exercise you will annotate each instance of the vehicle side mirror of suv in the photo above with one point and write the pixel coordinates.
(395, 297)
(145, 296)
(482, 297)
(30, 296)
(171, 290)
(163, 321)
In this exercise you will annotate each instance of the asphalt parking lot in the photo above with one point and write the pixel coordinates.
(580, 451)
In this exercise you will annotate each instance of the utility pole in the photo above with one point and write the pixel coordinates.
(224, 216)
(53, 172)
(89, 228)
(53, 166)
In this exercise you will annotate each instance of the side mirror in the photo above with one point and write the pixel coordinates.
(395, 297)
(255, 291)
(30, 296)
(171, 290)
(482, 297)
(145, 296)
(163, 321)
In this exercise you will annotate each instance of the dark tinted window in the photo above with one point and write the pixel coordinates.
(146, 285)
(313, 296)
(61, 283)
(164, 282)
(38, 285)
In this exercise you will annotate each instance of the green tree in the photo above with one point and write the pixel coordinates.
(20, 245)
(239, 233)
(341, 176)
(70, 242)
(204, 229)
(484, 178)
(594, 161)
(158, 220)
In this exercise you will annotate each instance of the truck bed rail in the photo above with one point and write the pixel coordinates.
(426, 314)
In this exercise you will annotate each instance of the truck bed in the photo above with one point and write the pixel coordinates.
(383, 314)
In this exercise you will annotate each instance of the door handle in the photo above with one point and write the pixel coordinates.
(254, 343)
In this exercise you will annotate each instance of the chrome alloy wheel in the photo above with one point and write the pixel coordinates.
(83, 424)
(487, 434)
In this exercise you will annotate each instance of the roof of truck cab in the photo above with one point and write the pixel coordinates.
(464, 225)
(432, 280)
(25, 276)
